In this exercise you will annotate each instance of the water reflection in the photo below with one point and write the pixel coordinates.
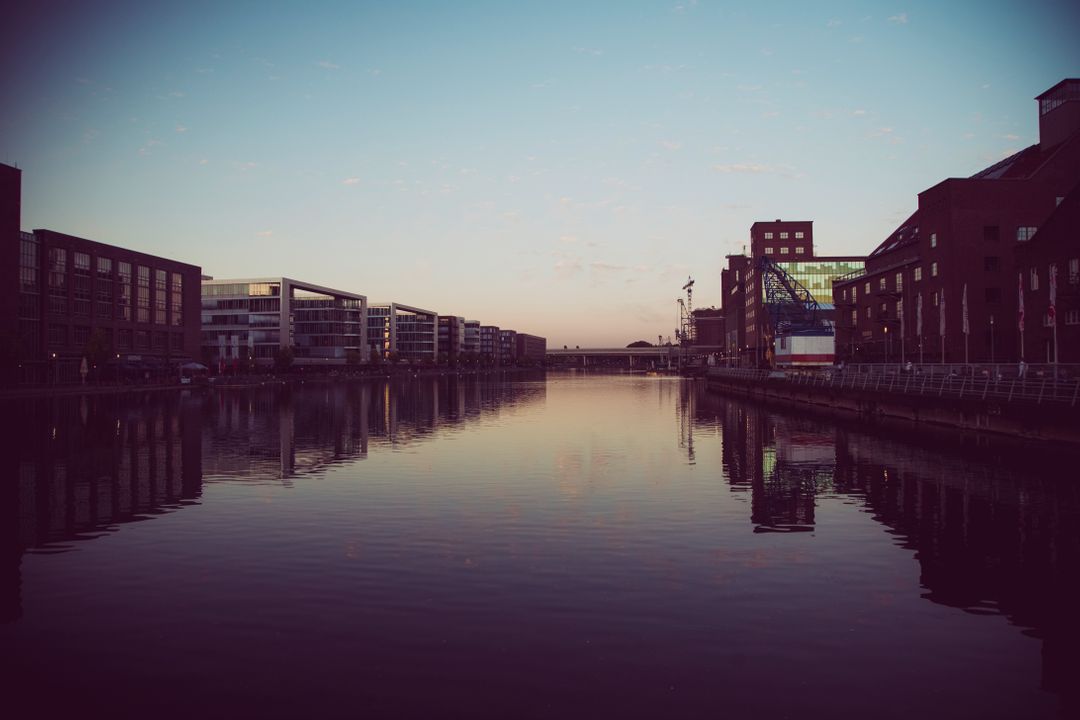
(995, 530)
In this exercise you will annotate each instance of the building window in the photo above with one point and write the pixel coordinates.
(768, 236)
(160, 297)
(58, 301)
(933, 299)
(933, 240)
(918, 274)
(868, 311)
(785, 250)
(899, 282)
(82, 335)
(799, 235)
(177, 299)
(28, 264)
(1074, 271)
(783, 236)
(125, 340)
(899, 308)
(82, 284)
(991, 233)
(1072, 317)
(1025, 233)
(58, 334)
(142, 340)
(854, 293)
(1034, 278)
(933, 269)
(800, 250)
(103, 289)
(768, 251)
(881, 283)
(991, 263)
(142, 297)
(854, 318)
(866, 288)
(123, 301)
(843, 294)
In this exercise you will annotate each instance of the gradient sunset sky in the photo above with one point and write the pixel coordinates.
(558, 168)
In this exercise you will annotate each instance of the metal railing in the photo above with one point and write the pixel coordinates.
(1039, 389)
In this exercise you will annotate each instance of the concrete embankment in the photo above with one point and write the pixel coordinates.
(986, 407)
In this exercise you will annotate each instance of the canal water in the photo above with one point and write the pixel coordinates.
(526, 547)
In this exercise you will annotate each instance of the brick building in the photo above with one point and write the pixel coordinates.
(962, 241)
(64, 298)
(531, 349)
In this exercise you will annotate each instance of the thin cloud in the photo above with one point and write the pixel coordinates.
(859, 111)
(835, 22)
(671, 145)
(327, 65)
(899, 19)
(752, 168)
(148, 147)
(351, 181)
(265, 233)
(181, 128)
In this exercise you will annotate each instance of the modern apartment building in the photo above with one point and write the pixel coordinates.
(411, 333)
(64, 299)
(253, 319)
(959, 255)
(472, 337)
(507, 347)
(531, 349)
(451, 338)
(490, 347)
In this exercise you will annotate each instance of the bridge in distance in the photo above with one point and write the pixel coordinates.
(631, 356)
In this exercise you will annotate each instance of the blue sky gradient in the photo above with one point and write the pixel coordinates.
(559, 168)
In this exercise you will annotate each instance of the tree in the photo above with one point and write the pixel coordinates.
(283, 359)
(639, 343)
(353, 358)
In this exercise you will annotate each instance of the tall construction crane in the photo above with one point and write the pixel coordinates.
(687, 332)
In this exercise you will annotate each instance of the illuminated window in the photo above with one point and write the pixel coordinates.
(899, 282)
(881, 283)
(866, 288)
(784, 250)
(1023, 234)
(1034, 279)
(798, 234)
(918, 274)
(768, 236)
(768, 251)
(800, 250)
(933, 240)
(933, 269)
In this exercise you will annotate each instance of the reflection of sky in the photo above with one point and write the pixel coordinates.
(560, 546)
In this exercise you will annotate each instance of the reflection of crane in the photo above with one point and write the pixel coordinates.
(686, 333)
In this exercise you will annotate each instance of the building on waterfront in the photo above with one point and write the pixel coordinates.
(490, 348)
(531, 349)
(451, 338)
(748, 330)
(246, 320)
(65, 299)
(407, 332)
(957, 256)
(1052, 337)
(471, 341)
(709, 330)
(508, 347)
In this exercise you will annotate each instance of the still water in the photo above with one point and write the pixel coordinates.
(525, 547)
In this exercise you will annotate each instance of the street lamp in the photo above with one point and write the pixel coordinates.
(886, 344)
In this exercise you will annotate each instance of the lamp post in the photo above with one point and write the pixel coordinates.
(886, 344)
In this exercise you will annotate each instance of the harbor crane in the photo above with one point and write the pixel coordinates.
(687, 332)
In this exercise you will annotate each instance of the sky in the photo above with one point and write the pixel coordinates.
(559, 168)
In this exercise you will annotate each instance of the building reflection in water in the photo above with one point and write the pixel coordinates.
(77, 468)
(995, 530)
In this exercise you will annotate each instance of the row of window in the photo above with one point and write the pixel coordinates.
(79, 336)
(786, 250)
(799, 235)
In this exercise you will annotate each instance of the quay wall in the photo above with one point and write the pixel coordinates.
(1057, 422)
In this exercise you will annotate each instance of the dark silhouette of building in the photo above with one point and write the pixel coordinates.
(65, 298)
(531, 349)
(1057, 245)
(962, 242)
